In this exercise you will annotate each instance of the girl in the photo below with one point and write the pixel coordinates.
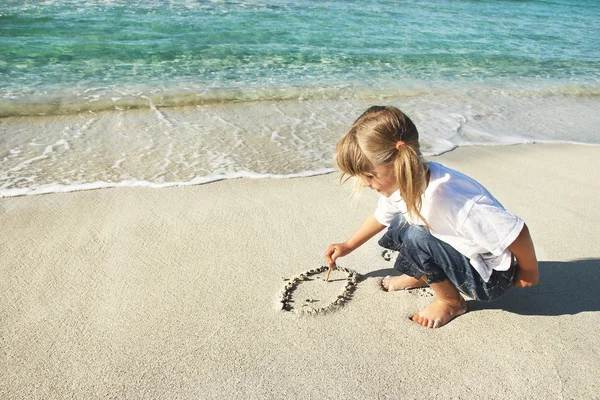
(451, 233)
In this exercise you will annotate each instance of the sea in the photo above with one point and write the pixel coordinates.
(105, 93)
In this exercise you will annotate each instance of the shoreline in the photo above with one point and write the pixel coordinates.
(164, 293)
(59, 188)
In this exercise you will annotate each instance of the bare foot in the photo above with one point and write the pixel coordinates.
(440, 312)
(402, 282)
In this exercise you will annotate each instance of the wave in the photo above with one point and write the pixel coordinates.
(112, 102)
(57, 106)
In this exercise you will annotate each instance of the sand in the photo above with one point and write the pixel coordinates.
(175, 293)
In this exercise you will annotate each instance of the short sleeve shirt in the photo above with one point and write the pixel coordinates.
(462, 213)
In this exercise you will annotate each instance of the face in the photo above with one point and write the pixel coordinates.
(382, 179)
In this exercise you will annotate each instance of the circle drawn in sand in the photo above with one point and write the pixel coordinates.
(346, 294)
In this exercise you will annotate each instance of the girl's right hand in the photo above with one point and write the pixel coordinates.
(336, 251)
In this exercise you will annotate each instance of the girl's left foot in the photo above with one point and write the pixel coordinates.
(440, 312)
(402, 282)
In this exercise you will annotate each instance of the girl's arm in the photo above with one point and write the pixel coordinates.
(369, 228)
(527, 269)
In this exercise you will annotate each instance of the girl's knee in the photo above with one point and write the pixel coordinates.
(417, 236)
(393, 237)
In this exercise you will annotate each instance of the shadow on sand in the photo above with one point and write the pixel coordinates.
(565, 288)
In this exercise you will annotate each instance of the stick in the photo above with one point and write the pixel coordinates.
(328, 272)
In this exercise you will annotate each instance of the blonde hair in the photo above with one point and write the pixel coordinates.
(375, 135)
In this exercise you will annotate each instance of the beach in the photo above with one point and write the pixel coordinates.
(167, 194)
(139, 292)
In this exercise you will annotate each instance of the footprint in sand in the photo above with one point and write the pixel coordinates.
(422, 292)
(309, 293)
(388, 254)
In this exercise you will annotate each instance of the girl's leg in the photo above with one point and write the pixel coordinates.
(422, 256)
(410, 277)
(444, 269)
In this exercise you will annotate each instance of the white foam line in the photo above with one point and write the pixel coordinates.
(58, 188)
(21, 165)
(516, 143)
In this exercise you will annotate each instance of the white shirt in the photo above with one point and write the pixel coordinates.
(462, 213)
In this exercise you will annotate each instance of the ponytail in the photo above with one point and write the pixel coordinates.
(411, 173)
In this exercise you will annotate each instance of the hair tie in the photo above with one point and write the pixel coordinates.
(399, 144)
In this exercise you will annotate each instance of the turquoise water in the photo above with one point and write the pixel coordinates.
(159, 93)
(75, 52)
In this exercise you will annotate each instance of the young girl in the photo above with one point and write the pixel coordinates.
(451, 233)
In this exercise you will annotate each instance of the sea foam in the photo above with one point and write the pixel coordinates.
(171, 146)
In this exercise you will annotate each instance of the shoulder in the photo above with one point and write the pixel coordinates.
(451, 185)
(454, 194)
